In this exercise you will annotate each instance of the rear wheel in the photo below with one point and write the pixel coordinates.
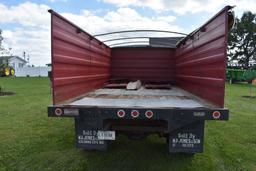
(7, 71)
(12, 72)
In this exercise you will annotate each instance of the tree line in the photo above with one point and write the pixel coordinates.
(242, 40)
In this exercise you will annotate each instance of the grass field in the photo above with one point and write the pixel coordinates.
(29, 140)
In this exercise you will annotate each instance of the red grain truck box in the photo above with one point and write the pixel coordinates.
(180, 83)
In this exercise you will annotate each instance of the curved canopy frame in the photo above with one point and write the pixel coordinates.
(135, 37)
(138, 42)
(131, 31)
(130, 42)
(117, 39)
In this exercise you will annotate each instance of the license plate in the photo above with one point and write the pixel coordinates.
(106, 135)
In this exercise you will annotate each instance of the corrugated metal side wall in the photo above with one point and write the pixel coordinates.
(201, 60)
(80, 62)
(143, 63)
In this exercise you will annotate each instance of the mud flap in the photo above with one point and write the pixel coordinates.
(188, 139)
(86, 133)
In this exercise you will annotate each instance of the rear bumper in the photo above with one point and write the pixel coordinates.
(183, 128)
(158, 114)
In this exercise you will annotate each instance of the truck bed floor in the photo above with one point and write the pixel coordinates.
(146, 98)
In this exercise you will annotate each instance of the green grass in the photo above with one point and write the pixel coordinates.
(29, 140)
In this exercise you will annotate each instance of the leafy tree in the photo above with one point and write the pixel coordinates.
(1, 40)
(242, 40)
(3, 50)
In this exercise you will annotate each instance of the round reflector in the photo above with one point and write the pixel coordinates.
(149, 114)
(58, 111)
(120, 113)
(135, 113)
(216, 114)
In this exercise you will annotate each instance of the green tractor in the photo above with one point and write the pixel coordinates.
(235, 75)
(6, 71)
(241, 75)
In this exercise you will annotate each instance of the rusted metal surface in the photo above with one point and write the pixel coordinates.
(143, 63)
(201, 60)
(80, 63)
(158, 86)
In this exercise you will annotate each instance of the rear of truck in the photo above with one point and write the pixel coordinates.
(182, 85)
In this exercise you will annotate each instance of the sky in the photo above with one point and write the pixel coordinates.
(25, 25)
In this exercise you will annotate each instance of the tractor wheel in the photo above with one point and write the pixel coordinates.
(7, 71)
(12, 72)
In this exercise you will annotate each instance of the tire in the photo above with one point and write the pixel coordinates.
(12, 73)
(7, 71)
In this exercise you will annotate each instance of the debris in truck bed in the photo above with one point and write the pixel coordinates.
(134, 85)
(117, 83)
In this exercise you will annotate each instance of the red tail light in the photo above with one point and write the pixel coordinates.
(149, 114)
(120, 113)
(135, 113)
(216, 114)
(58, 111)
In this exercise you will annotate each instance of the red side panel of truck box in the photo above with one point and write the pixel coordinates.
(201, 60)
(80, 63)
(143, 63)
